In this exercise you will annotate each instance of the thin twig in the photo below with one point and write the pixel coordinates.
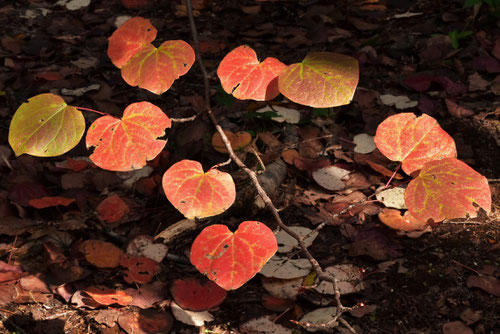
(322, 275)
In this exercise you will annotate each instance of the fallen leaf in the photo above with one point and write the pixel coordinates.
(400, 102)
(101, 254)
(264, 325)
(364, 143)
(146, 322)
(349, 279)
(139, 269)
(238, 141)
(457, 111)
(487, 283)
(106, 296)
(48, 201)
(192, 294)
(191, 318)
(392, 197)
(285, 268)
(112, 209)
(331, 178)
(143, 246)
(407, 222)
(456, 327)
(286, 243)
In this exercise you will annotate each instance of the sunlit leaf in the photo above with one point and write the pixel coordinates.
(245, 77)
(190, 293)
(46, 202)
(126, 144)
(413, 140)
(447, 189)
(155, 69)
(197, 194)
(395, 220)
(321, 80)
(231, 259)
(107, 296)
(129, 39)
(112, 209)
(45, 126)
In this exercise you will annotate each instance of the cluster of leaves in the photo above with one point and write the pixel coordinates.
(45, 126)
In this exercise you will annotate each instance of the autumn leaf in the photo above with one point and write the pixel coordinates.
(107, 296)
(48, 201)
(231, 259)
(155, 69)
(321, 80)
(101, 254)
(246, 78)
(45, 126)
(238, 140)
(140, 269)
(447, 189)
(112, 209)
(191, 294)
(395, 220)
(197, 194)
(129, 39)
(126, 144)
(413, 140)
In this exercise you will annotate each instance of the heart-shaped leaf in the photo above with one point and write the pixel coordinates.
(155, 69)
(129, 39)
(45, 126)
(231, 259)
(197, 194)
(321, 80)
(245, 77)
(447, 189)
(413, 140)
(125, 144)
(238, 140)
(191, 294)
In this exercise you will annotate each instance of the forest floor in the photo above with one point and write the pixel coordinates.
(443, 280)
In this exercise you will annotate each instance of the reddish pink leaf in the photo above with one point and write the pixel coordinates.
(155, 69)
(129, 39)
(106, 296)
(191, 294)
(197, 194)
(321, 80)
(112, 209)
(245, 77)
(230, 260)
(125, 144)
(413, 140)
(447, 189)
(456, 110)
(48, 201)
(140, 269)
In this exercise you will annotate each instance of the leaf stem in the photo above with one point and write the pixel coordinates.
(392, 176)
(88, 109)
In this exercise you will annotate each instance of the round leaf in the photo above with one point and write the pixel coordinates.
(129, 39)
(447, 189)
(191, 294)
(155, 69)
(245, 77)
(45, 126)
(321, 80)
(413, 140)
(126, 144)
(230, 260)
(197, 194)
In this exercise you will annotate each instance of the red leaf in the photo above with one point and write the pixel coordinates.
(447, 189)
(197, 194)
(321, 80)
(112, 209)
(413, 140)
(155, 69)
(125, 144)
(230, 260)
(48, 201)
(140, 269)
(106, 296)
(129, 39)
(191, 294)
(245, 77)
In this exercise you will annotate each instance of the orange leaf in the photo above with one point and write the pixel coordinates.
(231, 259)
(413, 140)
(407, 222)
(107, 296)
(197, 194)
(447, 189)
(112, 209)
(155, 69)
(129, 39)
(321, 80)
(48, 201)
(101, 254)
(125, 144)
(238, 140)
(245, 77)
